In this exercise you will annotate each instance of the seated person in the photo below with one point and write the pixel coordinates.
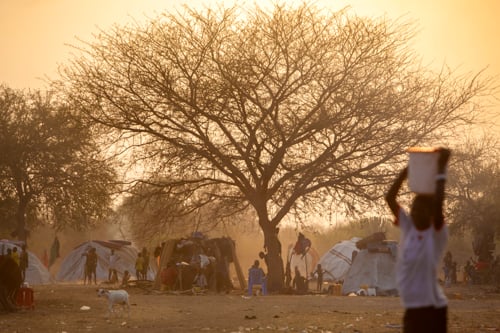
(256, 276)
(125, 279)
(169, 276)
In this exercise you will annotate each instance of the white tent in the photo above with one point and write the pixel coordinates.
(72, 267)
(305, 263)
(36, 273)
(373, 269)
(337, 261)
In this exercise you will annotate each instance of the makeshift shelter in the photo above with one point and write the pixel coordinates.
(196, 254)
(72, 266)
(36, 273)
(337, 261)
(373, 267)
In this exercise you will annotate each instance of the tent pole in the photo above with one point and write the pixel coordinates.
(237, 267)
(166, 254)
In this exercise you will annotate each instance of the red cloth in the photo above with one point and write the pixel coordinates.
(45, 259)
(482, 265)
(169, 276)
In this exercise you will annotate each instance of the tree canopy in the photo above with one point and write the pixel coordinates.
(50, 167)
(149, 212)
(283, 111)
(474, 191)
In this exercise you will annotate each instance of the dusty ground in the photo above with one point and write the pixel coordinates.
(58, 309)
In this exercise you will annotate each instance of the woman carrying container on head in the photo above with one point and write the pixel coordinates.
(424, 236)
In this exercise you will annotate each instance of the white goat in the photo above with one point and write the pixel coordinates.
(115, 297)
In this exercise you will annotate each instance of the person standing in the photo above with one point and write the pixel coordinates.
(424, 237)
(468, 273)
(112, 273)
(23, 262)
(86, 272)
(447, 268)
(92, 265)
(54, 251)
(299, 282)
(9, 253)
(319, 272)
(15, 255)
(139, 266)
(145, 267)
(288, 275)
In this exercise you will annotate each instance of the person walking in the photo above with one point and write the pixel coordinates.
(424, 237)
(23, 262)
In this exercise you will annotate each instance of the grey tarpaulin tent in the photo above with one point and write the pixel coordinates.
(72, 266)
(374, 268)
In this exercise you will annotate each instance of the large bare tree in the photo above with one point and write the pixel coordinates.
(283, 110)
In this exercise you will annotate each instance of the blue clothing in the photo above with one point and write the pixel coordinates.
(256, 276)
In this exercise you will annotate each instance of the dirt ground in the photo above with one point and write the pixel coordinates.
(60, 308)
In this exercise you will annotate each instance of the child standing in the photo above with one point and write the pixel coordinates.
(139, 266)
(319, 272)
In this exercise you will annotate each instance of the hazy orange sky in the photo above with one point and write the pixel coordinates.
(33, 33)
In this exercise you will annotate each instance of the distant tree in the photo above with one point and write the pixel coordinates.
(50, 167)
(7, 214)
(286, 111)
(474, 192)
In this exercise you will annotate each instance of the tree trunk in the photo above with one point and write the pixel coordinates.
(20, 231)
(275, 274)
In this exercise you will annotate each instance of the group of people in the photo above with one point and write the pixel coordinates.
(20, 258)
(197, 263)
(91, 260)
(298, 283)
(424, 237)
(423, 241)
(472, 272)
(482, 272)
(201, 273)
